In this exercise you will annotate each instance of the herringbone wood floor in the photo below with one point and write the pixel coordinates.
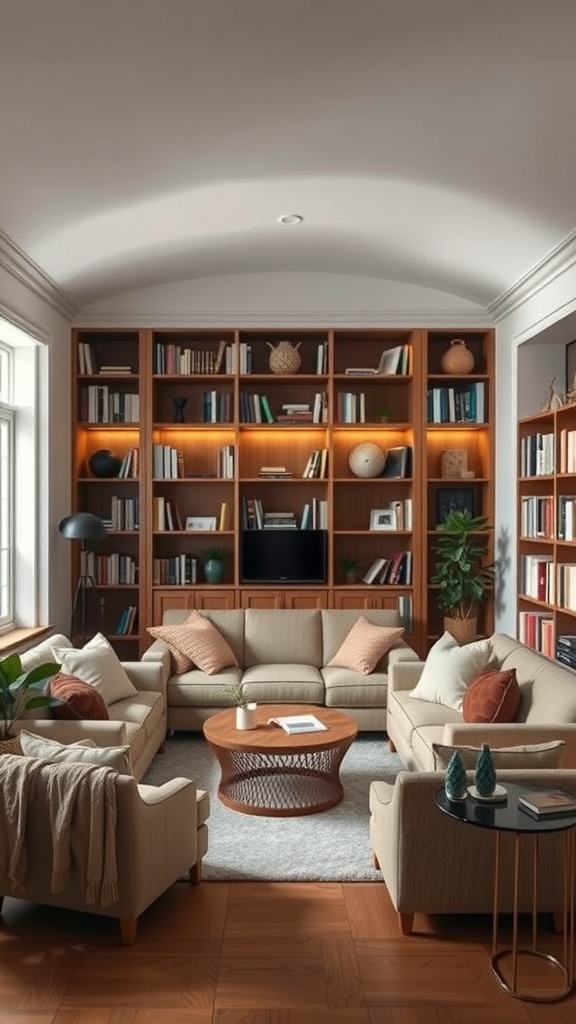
(257, 953)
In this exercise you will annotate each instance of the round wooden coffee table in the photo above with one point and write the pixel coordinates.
(265, 771)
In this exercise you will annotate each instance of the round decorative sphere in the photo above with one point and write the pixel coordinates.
(104, 463)
(367, 460)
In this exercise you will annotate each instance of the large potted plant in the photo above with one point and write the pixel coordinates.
(22, 691)
(462, 575)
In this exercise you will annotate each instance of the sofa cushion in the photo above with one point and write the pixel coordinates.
(348, 689)
(79, 699)
(282, 637)
(493, 696)
(98, 664)
(535, 755)
(174, 637)
(449, 669)
(229, 622)
(84, 752)
(364, 645)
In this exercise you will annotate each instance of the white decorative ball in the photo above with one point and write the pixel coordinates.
(367, 460)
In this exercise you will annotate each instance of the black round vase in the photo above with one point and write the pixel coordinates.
(104, 463)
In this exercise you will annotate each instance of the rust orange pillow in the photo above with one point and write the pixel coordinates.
(493, 696)
(80, 699)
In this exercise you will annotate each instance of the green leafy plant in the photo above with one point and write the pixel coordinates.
(463, 578)
(214, 553)
(349, 563)
(237, 694)
(22, 691)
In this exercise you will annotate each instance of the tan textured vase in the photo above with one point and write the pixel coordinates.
(458, 358)
(284, 357)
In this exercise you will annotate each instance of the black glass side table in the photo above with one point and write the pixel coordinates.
(507, 817)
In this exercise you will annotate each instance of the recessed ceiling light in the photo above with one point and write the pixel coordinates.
(290, 218)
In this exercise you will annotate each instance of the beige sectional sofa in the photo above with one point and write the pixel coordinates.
(282, 658)
(138, 720)
(547, 709)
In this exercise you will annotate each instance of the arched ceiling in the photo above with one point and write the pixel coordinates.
(428, 142)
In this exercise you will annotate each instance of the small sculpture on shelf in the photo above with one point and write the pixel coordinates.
(179, 406)
(554, 399)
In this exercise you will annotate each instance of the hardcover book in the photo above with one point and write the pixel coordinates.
(548, 803)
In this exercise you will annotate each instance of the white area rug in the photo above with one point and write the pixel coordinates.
(331, 846)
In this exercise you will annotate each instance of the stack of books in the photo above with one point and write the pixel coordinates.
(273, 472)
(566, 649)
(548, 803)
(280, 521)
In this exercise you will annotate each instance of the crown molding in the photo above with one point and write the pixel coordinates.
(548, 269)
(14, 260)
(244, 318)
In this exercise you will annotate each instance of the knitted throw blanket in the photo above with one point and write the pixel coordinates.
(81, 801)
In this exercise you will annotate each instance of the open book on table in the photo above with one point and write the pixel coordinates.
(293, 724)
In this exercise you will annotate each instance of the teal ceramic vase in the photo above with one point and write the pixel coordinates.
(455, 779)
(214, 570)
(485, 778)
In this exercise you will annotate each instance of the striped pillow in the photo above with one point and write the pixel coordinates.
(196, 642)
(365, 645)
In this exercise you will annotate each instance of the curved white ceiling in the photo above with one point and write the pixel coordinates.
(426, 143)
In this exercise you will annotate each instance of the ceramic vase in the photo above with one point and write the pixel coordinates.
(455, 778)
(458, 358)
(214, 570)
(284, 357)
(104, 463)
(246, 717)
(485, 778)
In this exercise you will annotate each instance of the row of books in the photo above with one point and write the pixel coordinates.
(316, 467)
(124, 514)
(130, 465)
(98, 404)
(253, 517)
(393, 570)
(537, 516)
(536, 630)
(314, 515)
(173, 359)
(87, 363)
(463, 404)
(167, 462)
(217, 407)
(257, 409)
(537, 455)
(165, 515)
(351, 407)
(537, 577)
(127, 621)
(567, 445)
(182, 570)
(111, 570)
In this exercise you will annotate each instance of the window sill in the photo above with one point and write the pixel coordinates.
(15, 639)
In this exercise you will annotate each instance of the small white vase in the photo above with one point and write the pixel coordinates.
(246, 717)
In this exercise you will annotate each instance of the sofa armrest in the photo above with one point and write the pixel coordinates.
(148, 676)
(403, 675)
(401, 652)
(513, 734)
(159, 653)
(105, 734)
(156, 794)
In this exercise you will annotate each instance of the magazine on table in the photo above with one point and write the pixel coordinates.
(293, 724)
(550, 803)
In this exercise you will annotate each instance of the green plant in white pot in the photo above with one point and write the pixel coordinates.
(22, 691)
(462, 575)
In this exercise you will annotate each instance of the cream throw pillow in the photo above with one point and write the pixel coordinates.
(449, 669)
(198, 641)
(85, 752)
(98, 664)
(535, 755)
(365, 645)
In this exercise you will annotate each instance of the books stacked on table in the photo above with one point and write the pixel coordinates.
(548, 803)
(566, 649)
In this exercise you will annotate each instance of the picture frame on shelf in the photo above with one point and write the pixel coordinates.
(570, 368)
(382, 519)
(201, 524)
(453, 499)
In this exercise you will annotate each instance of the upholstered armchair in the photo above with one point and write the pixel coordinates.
(160, 834)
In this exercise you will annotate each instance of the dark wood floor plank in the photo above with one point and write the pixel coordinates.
(134, 979)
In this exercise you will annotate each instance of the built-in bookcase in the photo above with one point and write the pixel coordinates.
(221, 440)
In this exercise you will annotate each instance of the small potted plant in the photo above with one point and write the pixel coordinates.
(22, 691)
(245, 708)
(349, 564)
(214, 563)
(383, 415)
(464, 579)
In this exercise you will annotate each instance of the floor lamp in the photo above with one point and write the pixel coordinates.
(89, 530)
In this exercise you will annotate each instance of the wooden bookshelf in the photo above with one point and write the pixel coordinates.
(215, 421)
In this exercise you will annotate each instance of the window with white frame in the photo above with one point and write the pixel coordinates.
(20, 494)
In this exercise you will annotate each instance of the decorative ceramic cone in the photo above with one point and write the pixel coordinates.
(455, 779)
(246, 717)
(485, 778)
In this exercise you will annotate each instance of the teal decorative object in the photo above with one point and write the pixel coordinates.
(455, 779)
(485, 778)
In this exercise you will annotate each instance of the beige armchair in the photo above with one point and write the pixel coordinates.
(160, 835)
(432, 864)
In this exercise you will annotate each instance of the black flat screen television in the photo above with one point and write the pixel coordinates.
(283, 556)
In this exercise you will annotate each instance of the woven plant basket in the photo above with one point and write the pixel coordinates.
(463, 630)
(10, 746)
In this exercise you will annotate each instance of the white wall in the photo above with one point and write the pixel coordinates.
(20, 303)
